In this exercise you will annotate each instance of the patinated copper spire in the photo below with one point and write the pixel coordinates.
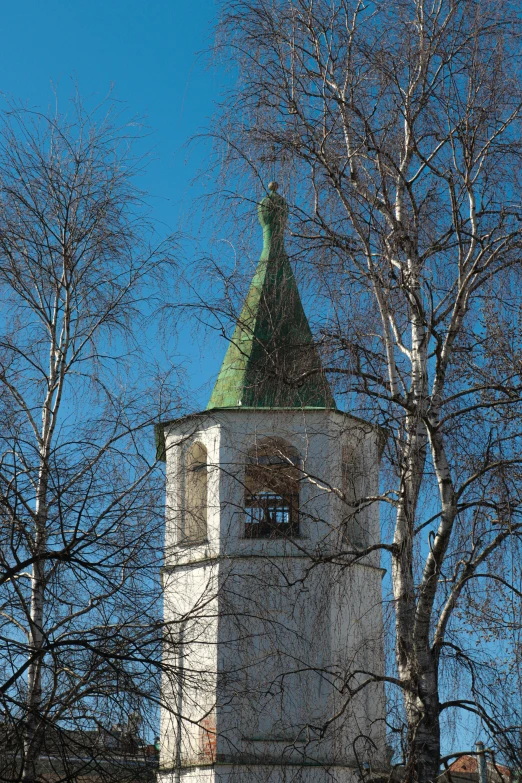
(272, 361)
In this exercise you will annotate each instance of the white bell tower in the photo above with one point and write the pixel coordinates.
(274, 648)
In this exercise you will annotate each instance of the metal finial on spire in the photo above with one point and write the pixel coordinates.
(273, 213)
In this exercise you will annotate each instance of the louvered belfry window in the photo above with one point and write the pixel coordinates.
(272, 491)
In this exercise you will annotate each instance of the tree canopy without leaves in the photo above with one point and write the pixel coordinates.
(80, 498)
(396, 130)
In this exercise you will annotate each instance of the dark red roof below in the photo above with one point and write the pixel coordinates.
(470, 764)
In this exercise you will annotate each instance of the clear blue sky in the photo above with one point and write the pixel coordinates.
(147, 50)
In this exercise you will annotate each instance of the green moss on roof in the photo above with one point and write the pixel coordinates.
(272, 361)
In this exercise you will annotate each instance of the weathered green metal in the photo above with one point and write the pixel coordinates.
(272, 361)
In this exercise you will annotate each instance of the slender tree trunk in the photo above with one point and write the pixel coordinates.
(422, 708)
(418, 667)
(32, 740)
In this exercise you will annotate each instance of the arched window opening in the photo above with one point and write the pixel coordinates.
(272, 490)
(354, 526)
(195, 505)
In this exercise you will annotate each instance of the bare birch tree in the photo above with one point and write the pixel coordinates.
(396, 130)
(81, 512)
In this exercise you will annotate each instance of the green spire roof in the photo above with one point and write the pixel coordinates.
(271, 361)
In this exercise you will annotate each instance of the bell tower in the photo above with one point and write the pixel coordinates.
(274, 646)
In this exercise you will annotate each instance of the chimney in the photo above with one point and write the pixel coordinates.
(481, 763)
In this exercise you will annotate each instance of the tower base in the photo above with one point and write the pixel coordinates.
(262, 773)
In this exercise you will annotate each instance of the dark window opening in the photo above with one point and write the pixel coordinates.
(195, 501)
(272, 492)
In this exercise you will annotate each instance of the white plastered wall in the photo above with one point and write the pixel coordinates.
(280, 627)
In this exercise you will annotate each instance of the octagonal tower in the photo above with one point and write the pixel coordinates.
(274, 647)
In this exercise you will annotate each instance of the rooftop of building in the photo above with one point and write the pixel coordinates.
(467, 767)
